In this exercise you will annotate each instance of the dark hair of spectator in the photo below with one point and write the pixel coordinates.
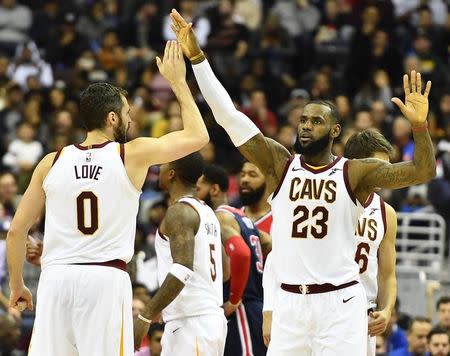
(190, 168)
(216, 175)
(437, 330)
(97, 101)
(442, 300)
(155, 328)
(366, 143)
(418, 319)
(334, 114)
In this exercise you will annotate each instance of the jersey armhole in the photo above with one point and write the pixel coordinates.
(350, 191)
(196, 210)
(58, 153)
(383, 214)
(280, 183)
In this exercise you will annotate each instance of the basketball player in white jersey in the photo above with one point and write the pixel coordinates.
(189, 251)
(91, 196)
(320, 309)
(375, 233)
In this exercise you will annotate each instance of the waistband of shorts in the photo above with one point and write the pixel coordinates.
(314, 288)
(119, 264)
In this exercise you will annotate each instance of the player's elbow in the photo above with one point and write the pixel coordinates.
(427, 174)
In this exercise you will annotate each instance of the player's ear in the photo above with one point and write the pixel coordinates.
(336, 130)
(111, 118)
(214, 190)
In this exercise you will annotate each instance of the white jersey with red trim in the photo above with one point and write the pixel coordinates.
(370, 231)
(90, 208)
(313, 229)
(203, 293)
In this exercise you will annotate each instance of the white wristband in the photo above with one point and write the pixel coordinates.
(148, 321)
(181, 272)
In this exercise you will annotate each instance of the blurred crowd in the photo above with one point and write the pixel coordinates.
(273, 56)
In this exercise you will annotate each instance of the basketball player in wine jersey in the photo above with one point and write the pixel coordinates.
(189, 251)
(91, 195)
(320, 307)
(244, 245)
(375, 234)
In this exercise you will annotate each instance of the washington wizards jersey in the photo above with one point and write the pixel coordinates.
(250, 234)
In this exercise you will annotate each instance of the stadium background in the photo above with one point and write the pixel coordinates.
(271, 55)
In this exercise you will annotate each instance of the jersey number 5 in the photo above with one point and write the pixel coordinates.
(87, 226)
(320, 227)
(212, 260)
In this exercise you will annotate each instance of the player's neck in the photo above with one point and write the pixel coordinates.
(219, 201)
(177, 191)
(97, 136)
(320, 159)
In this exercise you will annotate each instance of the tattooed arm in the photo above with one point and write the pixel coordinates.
(368, 174)
(180, 224)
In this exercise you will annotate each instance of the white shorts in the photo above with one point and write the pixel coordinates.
(325, 324)
(83, 311)
(371, 345)
(196, 335)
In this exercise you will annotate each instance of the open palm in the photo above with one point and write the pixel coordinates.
(415, 107)
(185, 35)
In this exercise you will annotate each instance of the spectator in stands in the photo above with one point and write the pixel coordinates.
(377, 88)
(67, 44)
(439, 342)
(395, 336)
(363, 120)
(286, 136)
(148, 23)
(443, 311)
(381, 119)
(260, 114)
(401, 131)
(27, 63)
(11, 115)
(15, 20)
(417, 338)
(46, 22)
(111, 55)
(380, 346)
(9, 199)
(94, 23)
(9, 336)
(155, 334)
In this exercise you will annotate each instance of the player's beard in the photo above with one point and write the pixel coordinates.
(208, 200)
(314, 147)
(120, 132)
(253, 196)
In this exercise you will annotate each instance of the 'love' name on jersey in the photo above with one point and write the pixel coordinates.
(313, 189)
(87, 171)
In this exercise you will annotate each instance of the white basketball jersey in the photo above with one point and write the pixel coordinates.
(369, 233)
(91, 207)
(203, 293)
(314, 219)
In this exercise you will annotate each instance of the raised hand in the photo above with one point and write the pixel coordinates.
(415, 107)
(172, 66)
(185, 35)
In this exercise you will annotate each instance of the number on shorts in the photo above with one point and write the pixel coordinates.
(92, 227)
(254, 240)
(212, 248)
(362, 255)
(320, 227)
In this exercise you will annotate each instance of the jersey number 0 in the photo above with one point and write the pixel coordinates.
(91, 227)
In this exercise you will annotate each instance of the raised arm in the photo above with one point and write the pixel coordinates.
(239, 255)
(145, 151)
(180, 225)
(268, 155)
(387, 281)
(368, 174)
(29, 209)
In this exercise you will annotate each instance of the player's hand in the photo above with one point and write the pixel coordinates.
(415, 107)
(378, 322)
(34, 251)
(140, 330)
(172, 66)
(20, 298)
(230, 308)
(267, 327)
(185, 35)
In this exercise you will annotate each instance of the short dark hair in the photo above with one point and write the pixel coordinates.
(97, 101)
(365, 143)
(442, 300)
(190, 168)
(334, 113)
(437, 330)
(155, 327)
(418, 319)
(216, 175)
